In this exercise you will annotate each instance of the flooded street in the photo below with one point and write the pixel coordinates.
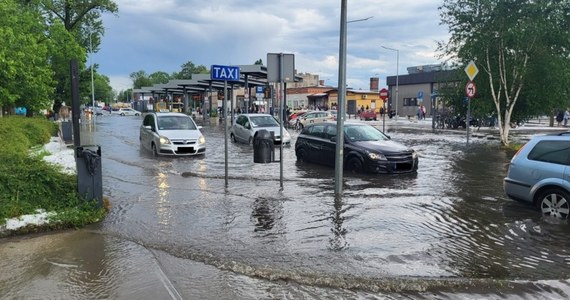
(176, 232)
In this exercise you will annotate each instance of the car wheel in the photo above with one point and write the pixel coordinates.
(233, 138)
(137, 115)
(154, 150)
(123, 114)
(554, 202)
(302, 155)
(354, 165)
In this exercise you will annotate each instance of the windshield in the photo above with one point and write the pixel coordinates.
(176, 123)
(263, 121)
(363, 133)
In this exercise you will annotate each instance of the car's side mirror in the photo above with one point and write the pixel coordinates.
(333, 138)
(199, 127)
(148, 127)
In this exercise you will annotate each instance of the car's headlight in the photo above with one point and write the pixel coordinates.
(164, 140)
(414, 154)
(201, 140)
(376, 156)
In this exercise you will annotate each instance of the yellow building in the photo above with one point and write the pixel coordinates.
(357, 99)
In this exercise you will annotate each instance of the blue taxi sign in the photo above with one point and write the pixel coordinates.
(225, 73)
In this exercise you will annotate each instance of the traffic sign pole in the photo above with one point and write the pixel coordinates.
(384, 96)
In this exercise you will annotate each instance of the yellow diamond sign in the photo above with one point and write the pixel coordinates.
(471, 70)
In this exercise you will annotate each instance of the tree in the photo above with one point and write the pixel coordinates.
(159, 77)
(188, 69)
(24, 70)
(81, 19)
(258, 62)
(503, 38)
(140, 79)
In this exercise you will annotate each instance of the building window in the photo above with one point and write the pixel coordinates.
(410, 101)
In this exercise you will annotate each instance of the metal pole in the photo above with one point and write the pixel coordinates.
(93, 113)
(282, 105)
(397, 76)
(225, 130)
(468, 117)
(384, 117)
(339, 153)
(397, 82)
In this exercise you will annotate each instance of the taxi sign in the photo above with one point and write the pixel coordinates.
(225, 73)
(471, 70)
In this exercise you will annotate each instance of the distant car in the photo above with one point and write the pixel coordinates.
(127, 112)
(295, 115)
(171, 134)
(246, 127)
(539, 174)
(315, 117)
(369, 114)
(334, 113)
(366, 149)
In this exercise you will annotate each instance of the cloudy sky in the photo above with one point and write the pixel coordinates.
(152, 36)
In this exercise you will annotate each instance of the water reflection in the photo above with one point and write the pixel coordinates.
(338, 241)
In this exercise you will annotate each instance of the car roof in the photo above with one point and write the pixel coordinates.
(345, 124)
(179, 114)
(255, 115)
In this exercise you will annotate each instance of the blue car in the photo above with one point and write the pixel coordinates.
(539, 174)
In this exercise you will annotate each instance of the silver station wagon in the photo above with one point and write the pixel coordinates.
(539, 174)
(173, 134)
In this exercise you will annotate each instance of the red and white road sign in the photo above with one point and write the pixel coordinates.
(470, 89)
(384, 94)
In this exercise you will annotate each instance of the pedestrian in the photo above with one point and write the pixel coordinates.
(559, 117)
(423, 109)
(566, 117)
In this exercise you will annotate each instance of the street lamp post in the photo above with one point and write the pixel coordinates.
(93, 112)
(397, 75)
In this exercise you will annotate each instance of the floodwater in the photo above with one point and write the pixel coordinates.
(175, 231)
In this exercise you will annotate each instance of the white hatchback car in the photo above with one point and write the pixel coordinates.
(171, 134)
(128, 112)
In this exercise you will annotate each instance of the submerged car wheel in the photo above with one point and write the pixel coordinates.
(302, 155)
(554, 202)
(354, 165)
(154, 150)
(233, 138)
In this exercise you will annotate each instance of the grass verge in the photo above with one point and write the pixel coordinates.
(28, 183)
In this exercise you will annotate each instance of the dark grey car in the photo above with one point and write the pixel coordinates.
(365, 149)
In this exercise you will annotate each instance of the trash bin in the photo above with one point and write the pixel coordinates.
(66, 131)
(263, 149)
(89, 175)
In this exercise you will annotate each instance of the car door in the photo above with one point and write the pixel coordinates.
(328, 146)
(146, 135)
(315, 141)
(240, 132)
(309, 118)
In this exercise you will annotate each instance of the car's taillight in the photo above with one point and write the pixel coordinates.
(517, 153)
